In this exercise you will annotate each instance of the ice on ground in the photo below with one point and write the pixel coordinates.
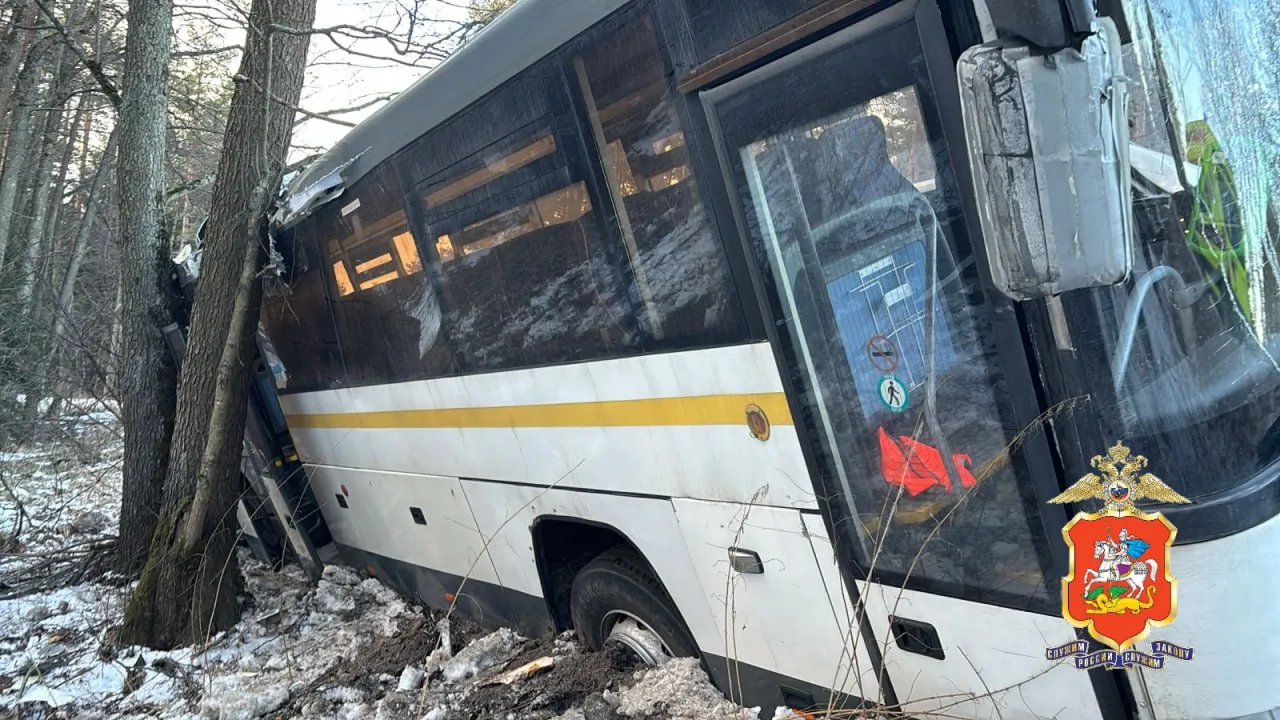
(480, 655)
(678, 690)
(243, 696)
(410, 679)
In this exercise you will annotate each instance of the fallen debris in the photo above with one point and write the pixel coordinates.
(525, 671)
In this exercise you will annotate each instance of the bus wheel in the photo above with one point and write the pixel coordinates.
(616, 598)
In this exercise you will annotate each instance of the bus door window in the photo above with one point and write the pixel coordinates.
(681, 274)
(848, 193)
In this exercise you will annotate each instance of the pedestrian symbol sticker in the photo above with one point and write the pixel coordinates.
(883, 353)
(893, 393)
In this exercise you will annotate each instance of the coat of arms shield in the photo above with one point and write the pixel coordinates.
(1119, 585)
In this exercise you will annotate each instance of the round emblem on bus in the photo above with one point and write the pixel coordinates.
(757, 423)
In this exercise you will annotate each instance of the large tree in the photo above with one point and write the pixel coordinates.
(189, 586)
(147, 375)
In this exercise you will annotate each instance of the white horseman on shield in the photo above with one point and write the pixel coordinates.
(1120, 562)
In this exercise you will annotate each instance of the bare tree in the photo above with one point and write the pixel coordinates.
(148, 377)
(189, 587)
(23, 145)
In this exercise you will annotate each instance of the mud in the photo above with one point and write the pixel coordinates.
(575, 678)
(385, 656)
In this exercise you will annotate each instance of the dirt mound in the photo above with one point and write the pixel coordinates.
(575, 676)
(385, 656)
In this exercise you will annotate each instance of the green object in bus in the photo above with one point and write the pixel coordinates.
(1214, 229)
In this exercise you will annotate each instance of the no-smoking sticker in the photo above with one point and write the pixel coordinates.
(883, 353)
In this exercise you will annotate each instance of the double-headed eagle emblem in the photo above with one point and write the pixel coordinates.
(1119, 486)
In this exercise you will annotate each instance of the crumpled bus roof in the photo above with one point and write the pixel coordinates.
(530, 30)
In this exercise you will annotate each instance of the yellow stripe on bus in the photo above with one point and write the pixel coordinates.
(700, 410)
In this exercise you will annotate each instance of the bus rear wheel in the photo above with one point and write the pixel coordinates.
(617, 599)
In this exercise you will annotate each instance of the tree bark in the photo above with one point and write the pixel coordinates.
(18, 152)
(38, 205)
(147, 375)
(16, 42)
(79, 249)
(188, 590)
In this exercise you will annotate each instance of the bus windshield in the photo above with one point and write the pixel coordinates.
(1183, 360)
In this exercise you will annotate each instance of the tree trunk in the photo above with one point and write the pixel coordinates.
(79, 248)
(188, 590)
(145, 370)
(16, 42)
(49, 244)
(112, 374)
(38, 206)
(18, 152)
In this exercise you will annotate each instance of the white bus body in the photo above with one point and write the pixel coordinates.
(484, 458)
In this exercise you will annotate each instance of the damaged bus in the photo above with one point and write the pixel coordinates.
(765, 332)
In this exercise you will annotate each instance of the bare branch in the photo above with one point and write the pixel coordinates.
(95, 67)
(210, 51)
(327, 115)
(188, 186)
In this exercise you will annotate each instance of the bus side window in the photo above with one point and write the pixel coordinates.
(295, 314)
(524, 268)
(681, 278)
(387, 313)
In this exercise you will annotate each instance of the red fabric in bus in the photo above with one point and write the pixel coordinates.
(917, 466)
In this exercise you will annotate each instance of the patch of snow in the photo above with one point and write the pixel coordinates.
(242, 696)
(410, 679)
(347, 695)
(480, 655)
(678, 690)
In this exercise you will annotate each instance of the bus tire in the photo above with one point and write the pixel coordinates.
(617, 597)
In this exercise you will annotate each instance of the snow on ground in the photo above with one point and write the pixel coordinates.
(346, 647)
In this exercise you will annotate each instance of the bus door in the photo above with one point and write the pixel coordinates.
(844, 165)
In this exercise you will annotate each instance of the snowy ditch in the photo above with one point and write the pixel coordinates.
(348, 647)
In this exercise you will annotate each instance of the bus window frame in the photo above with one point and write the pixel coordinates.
(666, 18)
(316, 253)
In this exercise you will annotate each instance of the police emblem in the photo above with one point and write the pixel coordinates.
(1119, 586)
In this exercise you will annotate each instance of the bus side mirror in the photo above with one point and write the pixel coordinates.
(1048, 140)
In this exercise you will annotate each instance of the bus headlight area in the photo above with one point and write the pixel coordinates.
(766, 332)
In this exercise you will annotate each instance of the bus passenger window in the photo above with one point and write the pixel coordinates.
(295, 315)
(681, 276)
(526, 273)
(387, 313)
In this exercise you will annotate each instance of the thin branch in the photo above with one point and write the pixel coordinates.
(95, 68)
(202, 53)
(188, 186)
(295, 108)
(328, 114)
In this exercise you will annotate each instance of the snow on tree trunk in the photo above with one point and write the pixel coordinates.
(146, 373)
(188, 590)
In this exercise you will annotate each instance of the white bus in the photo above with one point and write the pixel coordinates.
(764, 330)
